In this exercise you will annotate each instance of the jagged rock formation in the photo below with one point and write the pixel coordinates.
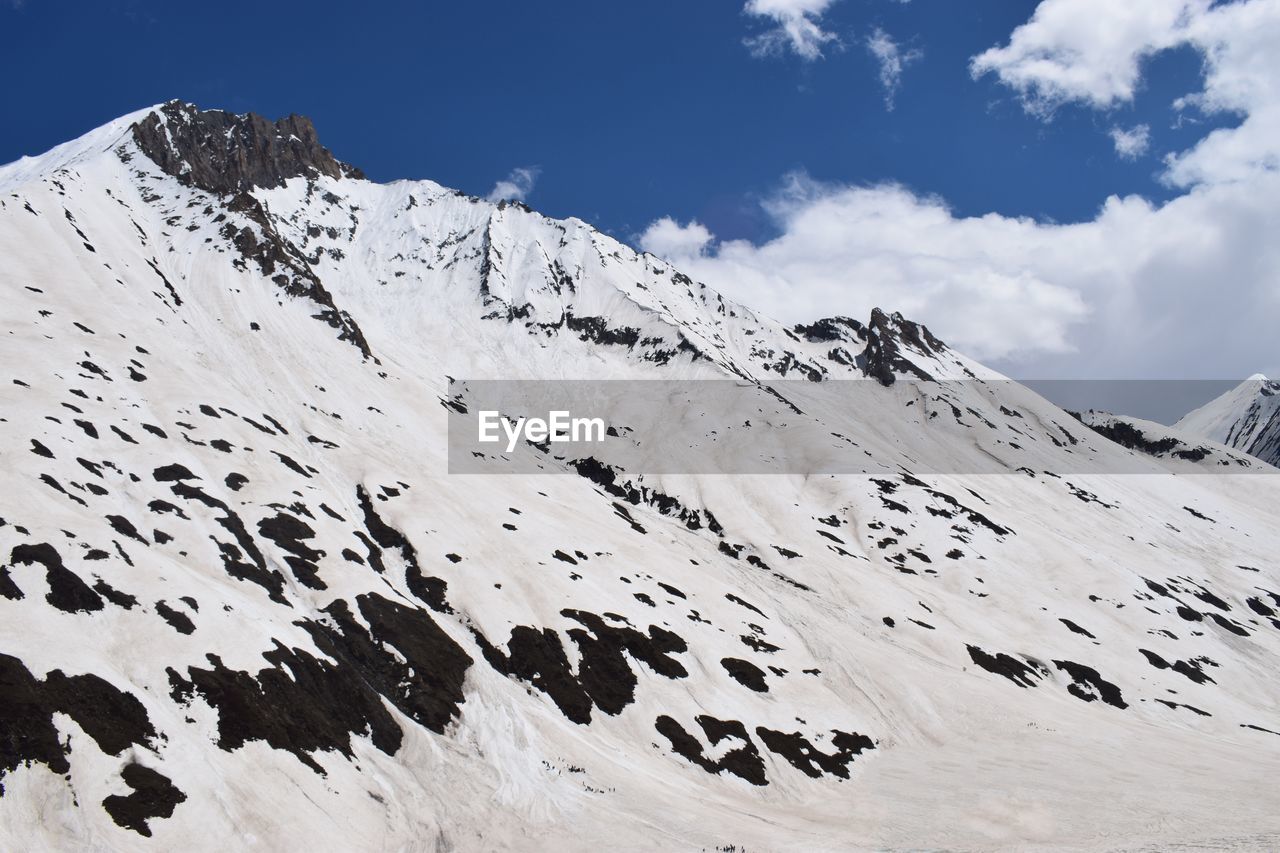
(227, 153)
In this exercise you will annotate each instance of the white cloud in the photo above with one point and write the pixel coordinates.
(1187, 289)
(892, 60)
(1091, 52)
(796, 27)
(515, 186)
(668, 239)
(1132, 143)
(844, 250)
(1087, 50)
(1190, 288)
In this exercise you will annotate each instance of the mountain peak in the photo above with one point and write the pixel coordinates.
(225, 152)
(1246, 417)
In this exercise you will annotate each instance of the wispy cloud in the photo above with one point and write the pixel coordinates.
(515, 186)
(796, 27)
(1132, 143)
(893, 60)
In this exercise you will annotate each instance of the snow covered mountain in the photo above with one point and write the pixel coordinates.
(1247, 418)
(243, 602)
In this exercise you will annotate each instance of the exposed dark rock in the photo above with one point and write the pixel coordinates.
(743, 761)
(231, 154)
(172, 473)
(886, 335)
(597, 330)
(8, 588)
(537, 657)
(1088, 685)
(423, 679)
(832, 329)
(430, 590)
(176, 618)
(67, 591)
(1020, 673)
(288, 533)
(1192, 708)
(232, 555)
(154, 795)
(804, 756)
(299, 704)
(115, 596)
(114, 719)
(604, 678)
(1189, 668)
(746, 673)
(1076, 629)
(124, 527)
(741, 602)
(223, 152)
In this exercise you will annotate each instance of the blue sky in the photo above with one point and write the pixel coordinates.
(791, 179)
(629, 112)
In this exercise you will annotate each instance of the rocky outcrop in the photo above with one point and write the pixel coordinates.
(224, 152)
(829, 329)
(887, 335)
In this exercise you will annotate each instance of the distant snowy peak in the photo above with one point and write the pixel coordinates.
(1167, 443)
(1247, 418)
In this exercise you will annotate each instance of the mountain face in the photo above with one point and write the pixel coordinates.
(1246, 418)
(243, 602)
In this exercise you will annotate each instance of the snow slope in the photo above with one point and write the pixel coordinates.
(242, 602)
(1247, 418)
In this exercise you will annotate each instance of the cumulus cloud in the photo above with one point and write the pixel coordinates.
(892, 60)
(1132, 143)
(1091, 52)
(843, 250)
(668, 239)
(515, 186)
(1087, 50)
(1190, 288)
(796, 27)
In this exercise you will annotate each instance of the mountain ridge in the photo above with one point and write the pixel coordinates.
(238, 533)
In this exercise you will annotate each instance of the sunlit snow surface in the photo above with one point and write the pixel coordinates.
(310, 636)
(1246, 418)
